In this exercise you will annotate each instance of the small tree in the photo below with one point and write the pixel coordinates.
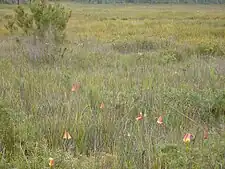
(40, 19)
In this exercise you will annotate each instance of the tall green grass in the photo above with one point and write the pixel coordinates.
(133, 59)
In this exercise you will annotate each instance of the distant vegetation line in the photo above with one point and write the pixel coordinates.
(154, 1)
(131, 1)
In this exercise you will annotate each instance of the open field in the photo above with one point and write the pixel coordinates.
(161, 60)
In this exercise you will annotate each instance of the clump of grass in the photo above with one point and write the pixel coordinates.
(7, 132)
(142, 45)
(210, 49)
(136, 46)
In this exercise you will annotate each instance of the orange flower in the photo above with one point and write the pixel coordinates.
(187, 137)
(160, 120)
(67, 135)
(51, 162)
(75, 87)
(102, 106)
(140, 116)
(206, 135)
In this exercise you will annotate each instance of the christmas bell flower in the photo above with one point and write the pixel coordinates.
(75, 87)
(51, 162)
(102, 105)
(206, 134)
(160, 120)
(140, 116)
(66, 135)
(187, 138)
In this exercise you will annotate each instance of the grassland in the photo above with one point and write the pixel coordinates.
(161, 60)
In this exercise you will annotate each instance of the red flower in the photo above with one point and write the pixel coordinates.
(140, 116)
(51, 162)
(188, 137)
(75, 87)
(206, 135)
(160, 120)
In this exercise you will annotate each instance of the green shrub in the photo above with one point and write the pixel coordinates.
(39, 20)
(210, 48)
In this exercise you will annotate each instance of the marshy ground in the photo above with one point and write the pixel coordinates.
(161, 60)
